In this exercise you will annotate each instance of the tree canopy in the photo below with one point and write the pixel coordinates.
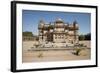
(27, 33)
(85, 36)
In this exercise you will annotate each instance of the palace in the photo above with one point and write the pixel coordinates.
(58, 33)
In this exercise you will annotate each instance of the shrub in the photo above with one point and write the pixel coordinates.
(40, 55)
(77, 51)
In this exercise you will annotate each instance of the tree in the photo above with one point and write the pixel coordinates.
(85, 37)
(88, 36)
(27, 34)
(81, 37)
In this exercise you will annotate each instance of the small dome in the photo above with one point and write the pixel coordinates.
(75, 22)
(41, 22)
(77, 25)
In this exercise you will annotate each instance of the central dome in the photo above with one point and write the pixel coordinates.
(59, 23)
(59, 20)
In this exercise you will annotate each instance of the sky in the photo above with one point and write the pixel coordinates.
(31, 18)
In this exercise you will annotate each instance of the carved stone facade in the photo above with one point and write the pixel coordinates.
(58, 32)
